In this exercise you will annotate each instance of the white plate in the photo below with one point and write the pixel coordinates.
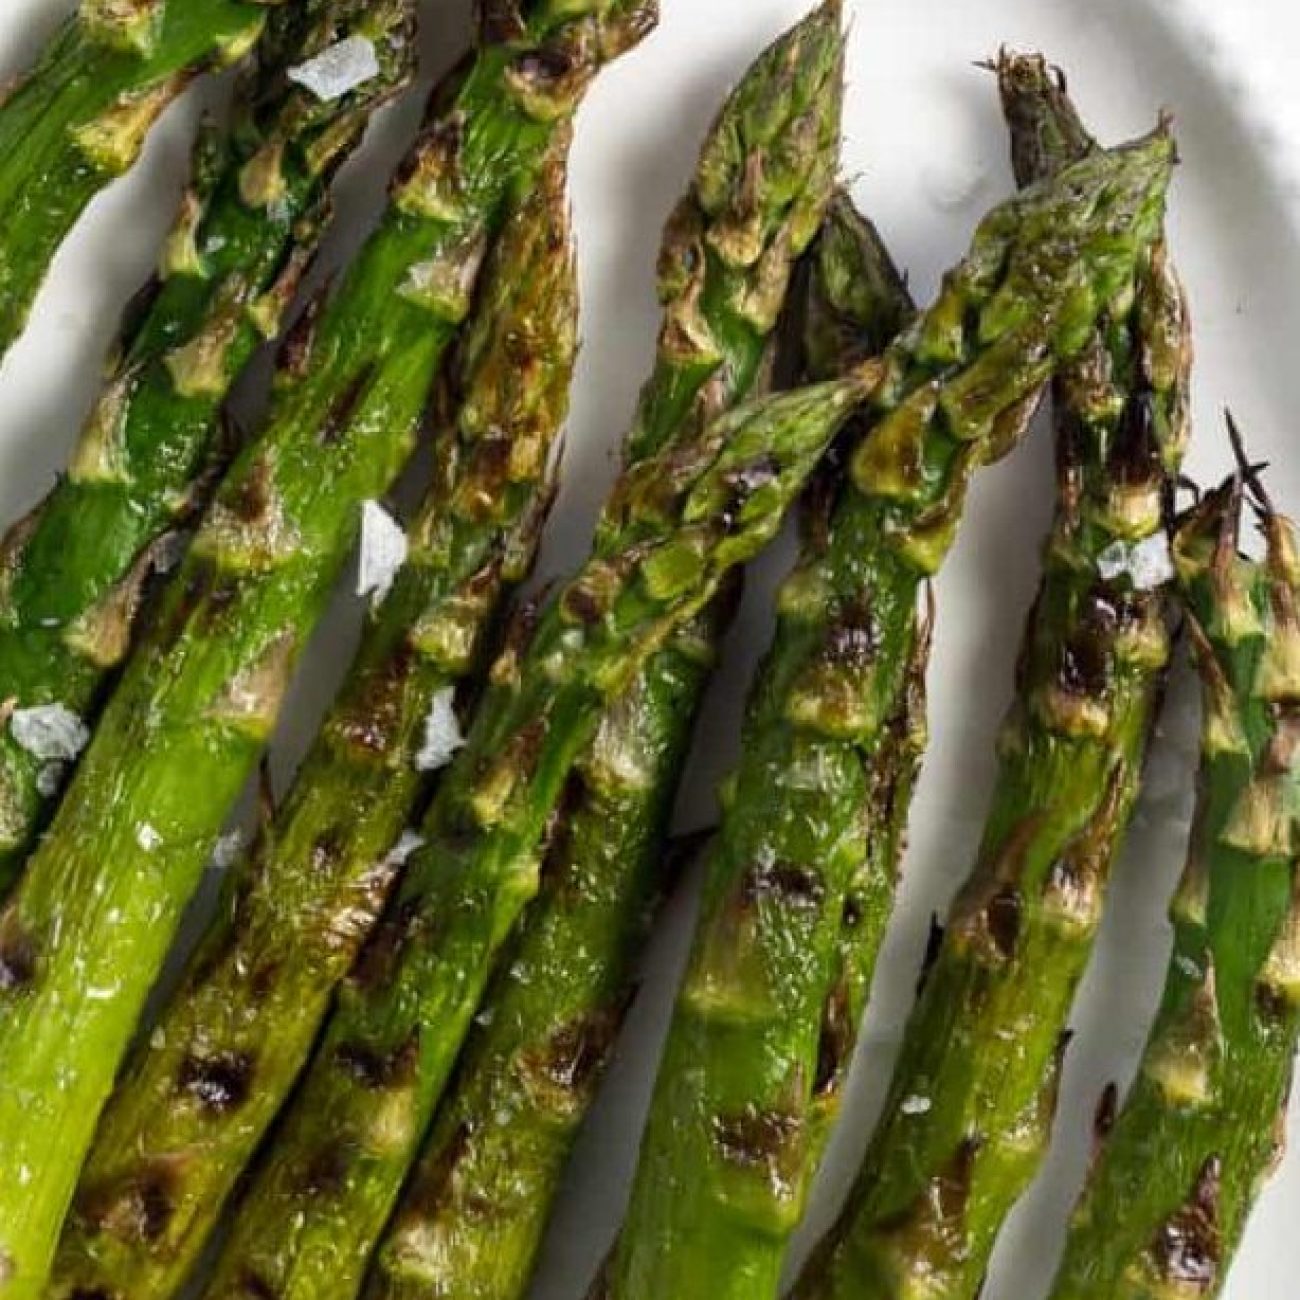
(926, 151)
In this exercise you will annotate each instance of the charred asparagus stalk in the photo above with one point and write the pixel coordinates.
(1168, 1199)
(471, 1218)
(855, 302)
(185, 1120)
(77, 121)
(85, 932)
(733, 1131)
(72, 572)
(969, 1110)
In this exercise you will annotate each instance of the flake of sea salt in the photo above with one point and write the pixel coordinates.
(442, 733)
(226, 851)
(50, 732)
(917, 1106)
(147, 837)
(1146, 564)
(400, 854)
(339, 69)
(383, 551)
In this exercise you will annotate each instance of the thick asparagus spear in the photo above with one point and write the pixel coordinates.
(86, 930)
(72, 571)
(185, 1120)
(472, 1217)
(733, 1131)
(967, 1118)
(1168, 1199)
(78, 119)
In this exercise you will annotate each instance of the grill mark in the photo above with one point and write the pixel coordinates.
(1003, 916)
(789, 883)
(756, 1138)
(218, 1083)
(1189, 1247)
(17, 956)
(376, 1069)
(344, 406)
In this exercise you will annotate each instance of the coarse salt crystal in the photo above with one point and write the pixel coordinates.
(917, 1106)
(400, 854)
(50, 732)
(227, 849)
(147, 837)
(383, 551)
(1147, 564)
(339, 69)
(442, 734)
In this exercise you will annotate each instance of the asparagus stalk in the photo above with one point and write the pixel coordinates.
(967, 1118)
(472, 1216)
(732, 1137)
(78, 120)
(854, 303)
(72, 572)
(85, 932)
(1168, 1199)
(186, 1119)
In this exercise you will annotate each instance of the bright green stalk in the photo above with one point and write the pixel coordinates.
(72, 573)
(734, 1133)
(1175, 1180)
(967, 1120)
(77, 121)
(472, 1217)
(87, 929)
(186, 1119)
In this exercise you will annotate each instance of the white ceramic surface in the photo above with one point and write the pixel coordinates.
(926, 154)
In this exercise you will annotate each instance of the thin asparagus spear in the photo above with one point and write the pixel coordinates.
(87, 928)
(733, 1133)
(856, 302)
(1168, 1199)
(967, 1118)
(77, 121)
(186, 1119)
(472, 1217)
(72, 572)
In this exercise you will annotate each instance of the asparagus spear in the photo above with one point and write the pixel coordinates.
(967, 1118)
(186, 1119)
(85, 932)
(79, 118)
(732, 1135)
(854, 302)
(1168, 1199)
(471, 1218)
(72, 571)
